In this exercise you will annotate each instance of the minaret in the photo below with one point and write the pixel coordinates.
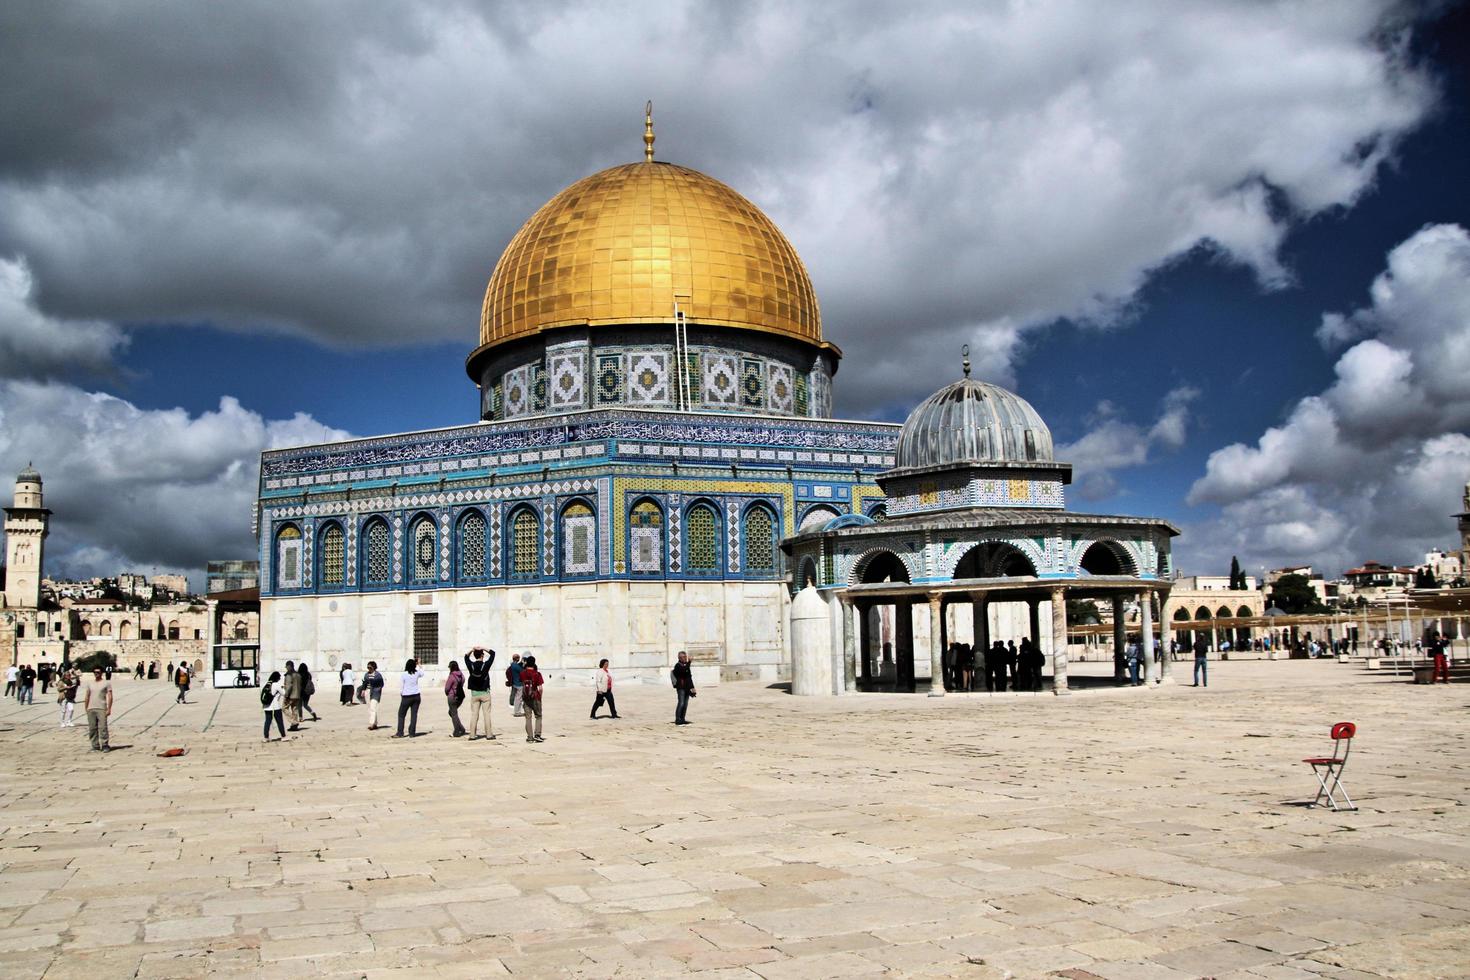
(1464, 517)
(26, 527)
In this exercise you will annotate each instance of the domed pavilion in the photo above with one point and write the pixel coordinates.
(975, 525)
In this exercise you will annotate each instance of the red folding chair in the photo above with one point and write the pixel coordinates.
(1328, 770)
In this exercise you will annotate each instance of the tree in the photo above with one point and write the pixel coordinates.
(1424, 579)
(1082, 612)
(1237, 577)
(1294, 594)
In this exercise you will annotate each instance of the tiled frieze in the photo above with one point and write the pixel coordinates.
(720, 379)
(568, 384)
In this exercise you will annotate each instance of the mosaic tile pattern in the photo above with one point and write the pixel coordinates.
(732, 536)
(782, 392)
(648, 379)
(702, 548)
(424, 550)
(610, 390)
(472, 545)
(333, 555)
(288, 558)
(802, 402)
(525, 545)
(517, 387)
(568, 388)
(647, 538)
(579, 540)
(495, 518)
(379, 560)
(760, 541)
(720, 382)
(352, 553)
(752, 383)
(538, 387)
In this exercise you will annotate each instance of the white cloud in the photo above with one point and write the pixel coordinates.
(950, 172)
(1114, 443)
(1372, 467)
(33, 344)
(135, 488)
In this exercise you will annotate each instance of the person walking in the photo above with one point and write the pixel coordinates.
(27, 685)
(372, 688)
(66, 693)
(477, 668)
(1134, 657)
(409, 696)
(138, 671)
(182, 680)
(308, 688)
(271, 698)
(1201, 661)
(292, 701)
(682, 677)
(513, 681)
(348, 681)
(602, 682)
(532, 687)
(98, 705)
(454, 694)
(43, 674)
(12, 677)
(1441, 662)
(169, 671)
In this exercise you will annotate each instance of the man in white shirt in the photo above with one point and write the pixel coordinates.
(10, 675)
(99, 708)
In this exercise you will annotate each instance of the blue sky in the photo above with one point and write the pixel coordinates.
(222, 228)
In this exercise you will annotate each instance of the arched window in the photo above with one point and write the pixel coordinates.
(125, 630)
(472, 545)
(288, 557)
(578, 539)
(242, 632)
(702, 540)
(173, 629)
(424, 537)
(878, 512)
(377, 555)
(333, 554)
(524, 560)
(817, 516)
(86, 627)
(106, 627)
(646, 538)
(759, 541)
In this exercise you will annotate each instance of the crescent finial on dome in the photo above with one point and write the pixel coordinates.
(965, 358)
(648, 132)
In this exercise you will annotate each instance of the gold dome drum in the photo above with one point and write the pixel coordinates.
(624, 245)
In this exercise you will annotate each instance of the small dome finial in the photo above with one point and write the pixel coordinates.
(648, 132)
(965, 358)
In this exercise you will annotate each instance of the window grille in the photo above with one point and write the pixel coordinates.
(332, 552)
(426, 638)
(423, 550)
(760, 551)
(702, 544)
(379, 564)
(472, 546)
(525, 545)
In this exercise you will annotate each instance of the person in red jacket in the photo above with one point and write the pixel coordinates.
(532, 685)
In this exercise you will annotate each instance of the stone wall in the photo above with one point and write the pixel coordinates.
(131, 652)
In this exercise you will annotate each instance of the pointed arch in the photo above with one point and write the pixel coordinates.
(993, 559)
(578, 538)
(703, 540)
(758, 537)
(288, 557)
(469, 546)
(815, 516)
(879, 565)
(423, 548)
(646, 538)
(376, 552)
(523, 544)
(331, 555)
(1106, 557)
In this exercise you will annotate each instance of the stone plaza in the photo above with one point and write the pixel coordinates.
(1117, 833)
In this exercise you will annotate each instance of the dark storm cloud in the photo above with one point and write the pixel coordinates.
(949, 172)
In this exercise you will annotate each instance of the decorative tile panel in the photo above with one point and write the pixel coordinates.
(720, 385)
(609, 379)
(518, 392)
(648, 378)
(568, 380)
(538, 387)
(782, 392)
(752, 383)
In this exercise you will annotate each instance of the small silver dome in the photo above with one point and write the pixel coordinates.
(28, 475)
(972, 422)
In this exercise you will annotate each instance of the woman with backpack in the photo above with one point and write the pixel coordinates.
(308, 688)
(271, 697)
(454, 694)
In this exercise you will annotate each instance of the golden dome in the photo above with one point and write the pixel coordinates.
(621, 245)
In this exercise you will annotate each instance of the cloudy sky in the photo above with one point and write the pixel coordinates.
(1221, 246)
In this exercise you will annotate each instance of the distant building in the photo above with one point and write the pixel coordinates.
(1211, 583)
(231, 576)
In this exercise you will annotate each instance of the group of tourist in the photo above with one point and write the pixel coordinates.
(284, 699)
(1004, 667)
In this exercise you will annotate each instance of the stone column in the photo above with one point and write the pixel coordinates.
(1119, 638)
(1146, 612)
(1033, 609)
(865, 639)
(1166, 629)
(848, 680)
(1058, 639)
(936, 644)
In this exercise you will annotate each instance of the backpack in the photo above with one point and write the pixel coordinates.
(266, 695)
